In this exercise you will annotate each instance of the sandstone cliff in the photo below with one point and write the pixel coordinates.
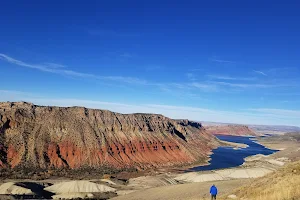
(75, 137)
(238, 130)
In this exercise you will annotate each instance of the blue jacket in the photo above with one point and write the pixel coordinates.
(213, 190)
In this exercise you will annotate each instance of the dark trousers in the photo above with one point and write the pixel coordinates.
(213, 197)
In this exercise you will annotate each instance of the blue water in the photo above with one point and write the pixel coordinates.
(226, 157)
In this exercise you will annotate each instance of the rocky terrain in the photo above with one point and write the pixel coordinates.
(238, 130)
(76, 137)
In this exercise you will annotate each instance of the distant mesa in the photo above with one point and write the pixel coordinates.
(227, 129)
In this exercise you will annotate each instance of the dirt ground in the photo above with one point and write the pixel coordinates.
(188, 191)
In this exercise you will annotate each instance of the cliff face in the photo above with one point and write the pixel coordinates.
(75, 137)
(238, 130)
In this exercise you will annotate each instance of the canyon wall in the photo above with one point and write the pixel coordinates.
(76, 137)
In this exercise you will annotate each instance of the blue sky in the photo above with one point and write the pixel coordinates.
(225, 61)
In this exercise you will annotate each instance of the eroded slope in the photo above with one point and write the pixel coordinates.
(75, 137)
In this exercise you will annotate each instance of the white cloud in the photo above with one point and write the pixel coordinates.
(182, 87)
(59, 69)
(20, 63)
(244, 85)
(54, 65)
(260, 72)
(225, 77)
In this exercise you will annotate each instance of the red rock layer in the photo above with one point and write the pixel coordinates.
(238, 130)
(55, 137)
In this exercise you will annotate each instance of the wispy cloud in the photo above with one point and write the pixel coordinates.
(44, 68)
(244, 85)
(219, 86)
(130, 80)
(59, 69)
(54, 65)
(260, 72)
(225, 77)
(191, 86)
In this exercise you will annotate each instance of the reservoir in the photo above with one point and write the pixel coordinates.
(226, 157)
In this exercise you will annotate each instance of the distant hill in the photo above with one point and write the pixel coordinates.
(274, 129)
(265, 129)
(224, 129)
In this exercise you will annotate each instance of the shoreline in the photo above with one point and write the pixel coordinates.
(168, 183)
(191, 182)
(224, 143)
(233, 145)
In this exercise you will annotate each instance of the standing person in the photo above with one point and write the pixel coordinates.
(213, 192)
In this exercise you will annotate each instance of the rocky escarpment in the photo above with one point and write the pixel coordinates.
(238, 130)
(76, 137)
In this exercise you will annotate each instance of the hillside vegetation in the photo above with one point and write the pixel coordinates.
(283, 184)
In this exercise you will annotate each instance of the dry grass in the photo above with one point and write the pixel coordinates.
(283, 184)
